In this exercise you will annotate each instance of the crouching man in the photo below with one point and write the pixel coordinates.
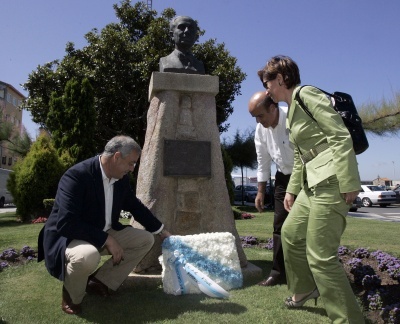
(84, 224)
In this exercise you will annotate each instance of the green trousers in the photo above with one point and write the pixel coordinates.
(310, 239)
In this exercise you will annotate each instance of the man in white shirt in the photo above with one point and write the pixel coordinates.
(272, 145)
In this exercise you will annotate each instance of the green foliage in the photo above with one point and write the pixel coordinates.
(382, 118)
(118, 62)
(48, 205)
(32, 286)
(71, 120)
(237, 214)
(242, 151)
(15, 141)
(35, 178)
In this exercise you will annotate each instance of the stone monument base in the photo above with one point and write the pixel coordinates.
(153, 278)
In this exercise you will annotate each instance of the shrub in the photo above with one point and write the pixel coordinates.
(48, 205)
(236, 213)
(35, 178)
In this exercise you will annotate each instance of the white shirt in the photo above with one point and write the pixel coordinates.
(273, 145)
(108, 185)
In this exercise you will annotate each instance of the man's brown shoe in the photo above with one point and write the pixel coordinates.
(270, 281)
(67, 305)
(96, 287)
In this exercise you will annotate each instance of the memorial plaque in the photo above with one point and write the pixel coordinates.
(187, 158)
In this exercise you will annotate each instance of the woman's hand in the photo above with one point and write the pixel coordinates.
(350, 196)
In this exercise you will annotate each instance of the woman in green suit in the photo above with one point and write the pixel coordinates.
(325, 180)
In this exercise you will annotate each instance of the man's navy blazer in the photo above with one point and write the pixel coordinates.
(79, 213)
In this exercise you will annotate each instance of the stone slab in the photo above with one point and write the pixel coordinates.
(250, 272)
(191, 83)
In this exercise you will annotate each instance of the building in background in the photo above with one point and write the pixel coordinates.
(10, 112)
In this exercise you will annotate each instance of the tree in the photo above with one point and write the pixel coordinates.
(228, 167)
(17, 142)
(382, 118)
(71, 120)
(118, 62)
(242, 152)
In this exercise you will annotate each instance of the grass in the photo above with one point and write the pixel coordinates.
(28, 294)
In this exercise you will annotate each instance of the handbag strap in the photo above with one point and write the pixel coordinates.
(298, 99)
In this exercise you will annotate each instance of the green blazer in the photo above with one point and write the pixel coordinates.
(339, 159)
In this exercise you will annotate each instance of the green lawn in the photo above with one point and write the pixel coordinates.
(28, 294)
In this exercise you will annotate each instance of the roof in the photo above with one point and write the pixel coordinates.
(13, 89)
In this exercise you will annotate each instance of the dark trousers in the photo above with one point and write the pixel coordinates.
(280, 214)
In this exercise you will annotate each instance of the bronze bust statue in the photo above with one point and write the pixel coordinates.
(184, 32)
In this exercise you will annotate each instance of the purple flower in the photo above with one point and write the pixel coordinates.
(9, 255)
(269, 245)
(342, 250)
(371, 282)
(27, 252)
(3, 265)
(361, 253)
(374, 300)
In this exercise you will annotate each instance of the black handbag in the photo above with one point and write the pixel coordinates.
(344, 106)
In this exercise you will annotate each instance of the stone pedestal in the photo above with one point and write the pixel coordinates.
(181, 176)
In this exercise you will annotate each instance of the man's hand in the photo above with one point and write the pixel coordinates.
(164, 234)
(350, 196)
(259, 201)
(289, 201)
(114, 249)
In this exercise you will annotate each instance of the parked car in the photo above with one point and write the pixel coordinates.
(357, 203)
(249, 194)
(397, 191)
(375, 195)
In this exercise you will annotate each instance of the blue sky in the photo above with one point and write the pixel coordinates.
(342, 45)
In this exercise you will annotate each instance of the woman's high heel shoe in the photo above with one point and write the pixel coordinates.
(290, 303)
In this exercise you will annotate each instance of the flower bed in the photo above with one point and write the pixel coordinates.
(11, 257)
(375, 278)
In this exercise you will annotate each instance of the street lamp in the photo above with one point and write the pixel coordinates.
(394, 171)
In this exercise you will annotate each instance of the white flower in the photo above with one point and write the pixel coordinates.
(214, 254)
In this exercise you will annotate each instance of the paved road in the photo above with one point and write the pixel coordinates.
(7, 209)
(387, 214)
